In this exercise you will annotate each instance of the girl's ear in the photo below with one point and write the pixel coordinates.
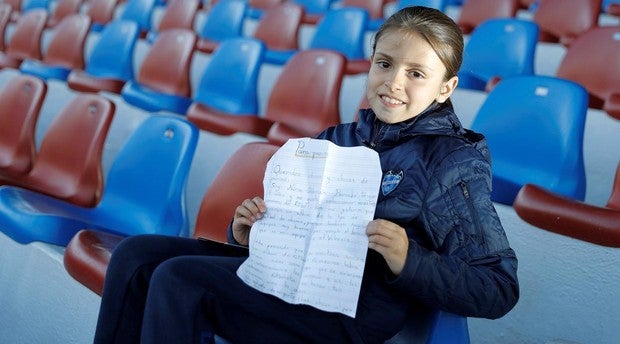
(447, 88)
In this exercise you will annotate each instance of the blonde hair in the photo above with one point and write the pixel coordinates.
(439, 30)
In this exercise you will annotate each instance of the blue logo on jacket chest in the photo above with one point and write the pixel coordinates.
(391, 179)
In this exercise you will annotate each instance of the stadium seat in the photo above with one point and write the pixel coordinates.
(178, 14)
(29, 5)
(496, 49)
(474, 12)
(140, 11)
(279, 28)
(163, 82)
(144, 191)
(16, 7)
(224, 20)
(548, 210)
(535, 128)
(88, 253)
(256, 8)
(68, 165)
(101, 12)
(5, 18)
(21, 100)
(229, 83)
(562, 23)
(25, 41)
(588, 61)
(344, 30)
(293, 109)
(375, 9)
(110, 63)
(314, 10)
(611, 7)
(62, 9)
(65, 51)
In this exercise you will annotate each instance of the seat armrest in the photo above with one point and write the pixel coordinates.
(562, 215)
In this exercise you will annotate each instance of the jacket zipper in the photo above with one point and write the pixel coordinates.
(375, 139)
(472, 211)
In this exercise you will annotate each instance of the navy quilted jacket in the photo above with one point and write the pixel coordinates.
(436, 184)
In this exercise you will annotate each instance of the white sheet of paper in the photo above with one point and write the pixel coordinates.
(310, 247)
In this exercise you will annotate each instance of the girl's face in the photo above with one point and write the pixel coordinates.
(405, 77)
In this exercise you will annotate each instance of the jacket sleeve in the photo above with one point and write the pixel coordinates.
(469, 268)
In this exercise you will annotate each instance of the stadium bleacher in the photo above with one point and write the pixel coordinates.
(569, 287)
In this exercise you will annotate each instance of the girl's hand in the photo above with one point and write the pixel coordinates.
(391, 241)
(250, 211)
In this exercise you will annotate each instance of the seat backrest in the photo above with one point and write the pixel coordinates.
(315, 7)
(306, 94)
(535, 128)
(224, 20)
(179, 14)
(5, 18)
(500, 47)
(474, 12)
(431, 326)
(229, 82)
(29, 5)
(101, 12)
(223, 196)
(140, 11)
(64, 8)
(279, 26)
(20, 102)
(342, 30)
(594, 49)
(112, 55)
(69, 162)
(66, 46)
(373, 7)
(563, 23)
(25, 42)
(166, 66)
(145, 186)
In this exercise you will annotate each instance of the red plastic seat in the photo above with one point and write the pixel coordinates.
(88, 253)
(21, 99)
(279, 28)
(65, 50)
(64, 8)
(562, 22)
(68, 163)
(25, 41)
(474, 12)
(163, 82)
(101, 12)
(304, 100)
(178, 14)
(591, 61)
(592, 223)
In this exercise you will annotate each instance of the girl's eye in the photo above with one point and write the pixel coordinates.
(416, 74)
(383, 64)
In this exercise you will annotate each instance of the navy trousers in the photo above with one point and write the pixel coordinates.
(161, 289)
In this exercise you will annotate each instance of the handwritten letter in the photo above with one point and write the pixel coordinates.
(310, 247)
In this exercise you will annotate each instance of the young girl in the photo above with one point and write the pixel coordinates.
(436, 240)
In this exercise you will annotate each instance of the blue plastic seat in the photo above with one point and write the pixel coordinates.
(110, 63)
(65, 50)
(498, 48)
(344, 30)
(535, 128)
(224, 20)
(163, 82)
(144, 191)
(141, 12)
(229, 83)
(314, 10)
